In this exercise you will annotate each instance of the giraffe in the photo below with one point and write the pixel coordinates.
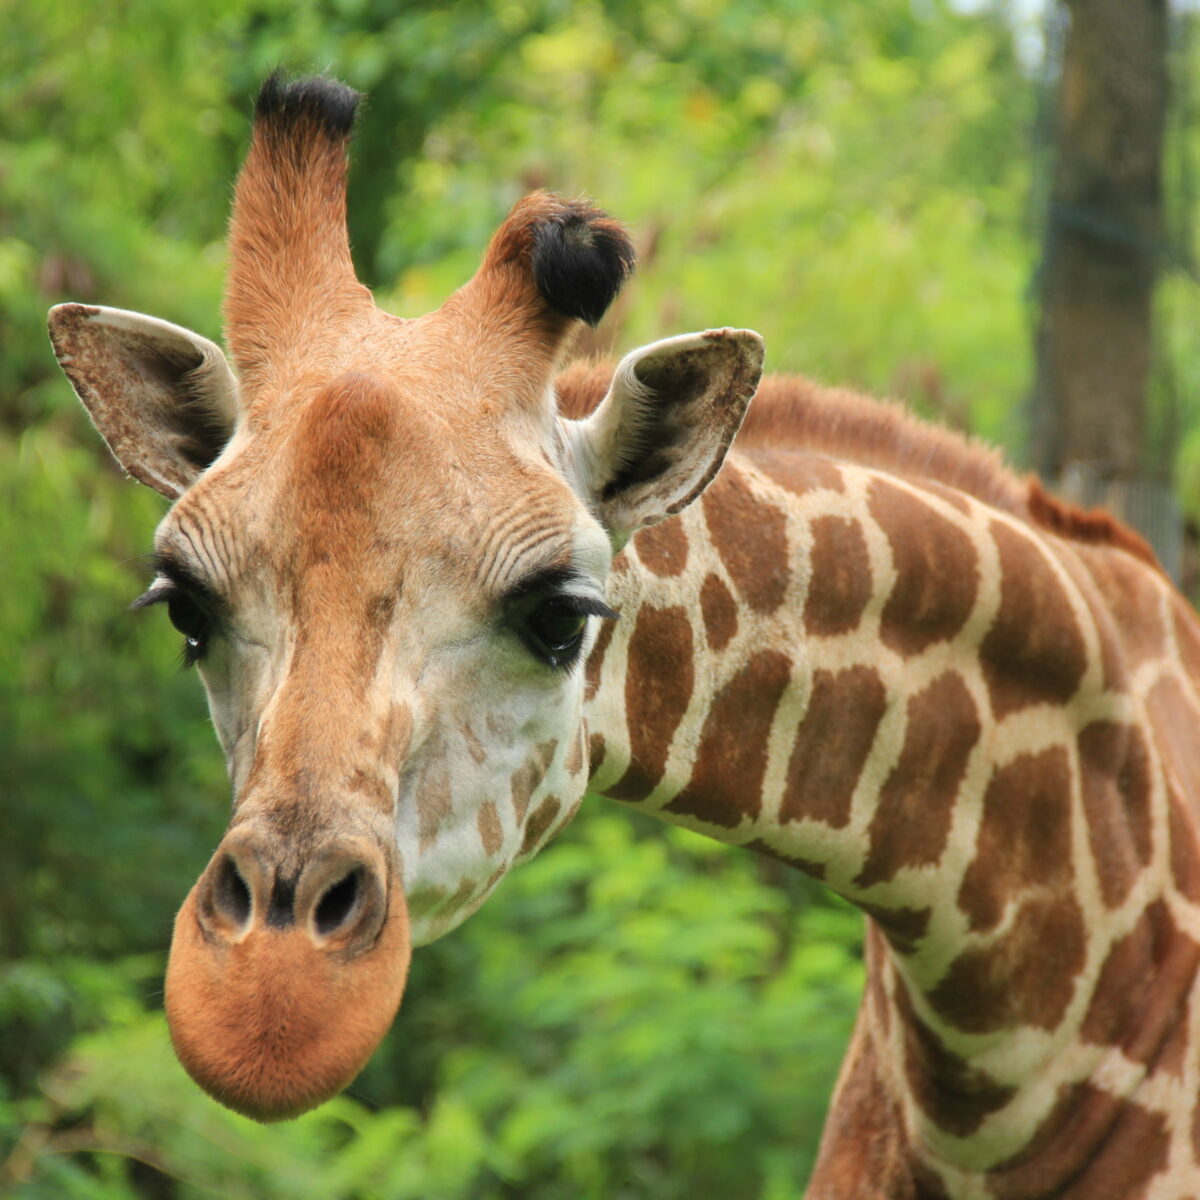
(438, 587)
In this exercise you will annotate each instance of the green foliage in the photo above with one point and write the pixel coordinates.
(637, 1013)
(849, 180)
(631, 1016)
(72, 761)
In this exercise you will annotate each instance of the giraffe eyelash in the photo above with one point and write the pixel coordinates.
(555, 583)
(188, 610)
(159, 592)
(586, 606)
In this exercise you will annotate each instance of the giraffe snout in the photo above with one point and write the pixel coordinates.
(336, 896)
(287, 967)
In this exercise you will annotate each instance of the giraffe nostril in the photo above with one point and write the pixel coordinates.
(336, 905)
(231, 893)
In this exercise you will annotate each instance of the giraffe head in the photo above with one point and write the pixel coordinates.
(387, 555)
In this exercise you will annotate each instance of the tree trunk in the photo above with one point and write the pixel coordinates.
(1102, 239)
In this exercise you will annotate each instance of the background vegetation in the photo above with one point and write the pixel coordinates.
(638, 1013)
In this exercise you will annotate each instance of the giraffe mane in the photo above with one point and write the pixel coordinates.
(792, 412)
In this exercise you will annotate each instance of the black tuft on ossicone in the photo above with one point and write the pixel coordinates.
(331, 105)
(581, 260)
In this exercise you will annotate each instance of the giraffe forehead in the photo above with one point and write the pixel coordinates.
(368, 479)
(361, 468)
(465, 491)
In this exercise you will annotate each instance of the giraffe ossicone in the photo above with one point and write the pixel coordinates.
(397, 552)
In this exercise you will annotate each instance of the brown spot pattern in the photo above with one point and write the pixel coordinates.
(841, 577)
(1025, 977)
(1187, 637)
(1124, 980)
(363, 783)
(500, 725)
(795, 470)
(663, 548)
(490, 832)
(545, 752)
(955, 1096)
(1024, 835)
(1144, 978)
(750, 535)
(719, 610)
(1172, 1058)
(460, 896)
(527, 777)
(816, 870)
(379, 611)
(574, 757)
(1130, 596)
(1116, 643)
(473, 744)
(937, 575)
(539, 821)
(396, 732)
(925, 1179)
(596, 752)
(433, 804)
(658, 686)
(1135, 1150)
(424, 902)
(1060, 1147)
(1185, 863)
(950, 495)
(903, 927)
(832, 745)
(596, 659)
(726, 782)
(1175, 721)
(1114, 769)
(1034, 651)
(912, 818)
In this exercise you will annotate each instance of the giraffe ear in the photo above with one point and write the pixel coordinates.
(162, 397)
(660, 435)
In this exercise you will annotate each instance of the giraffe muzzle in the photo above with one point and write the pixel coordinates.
(286, 970)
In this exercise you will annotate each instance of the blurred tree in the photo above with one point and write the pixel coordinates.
(1104, 237)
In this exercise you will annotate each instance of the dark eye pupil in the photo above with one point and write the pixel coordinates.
(188, 617)
(556, 626)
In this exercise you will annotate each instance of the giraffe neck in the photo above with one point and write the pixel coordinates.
(918, 700)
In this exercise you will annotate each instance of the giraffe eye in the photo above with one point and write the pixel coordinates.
(554, 630)
(192, 621)
(550, 617)
(187, 615)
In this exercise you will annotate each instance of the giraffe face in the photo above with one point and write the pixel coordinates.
(388, 558)
(390, 587)
(391, 602)
(391, 623)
